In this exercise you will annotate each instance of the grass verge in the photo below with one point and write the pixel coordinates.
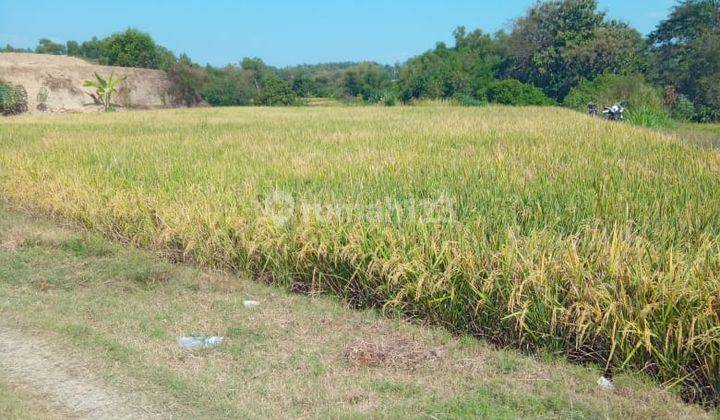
(297, 356)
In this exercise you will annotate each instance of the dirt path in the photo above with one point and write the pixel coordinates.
(62, 380)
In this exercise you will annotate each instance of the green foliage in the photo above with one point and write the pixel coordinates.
(631, 90)
(687, 51)
(367, 80)
(276, 91)
(465, 100)
(94, 49)
(390, 99)
(228, 86)
(557, 46)
(46, 46)
(443, 73)
(130, 48)
(560, 42)
(10, 48)
(13, 99)
(674, 38)
(105, 89)
(514, 92)
(186, 80)
(683, 109)
(73, 48)
(704, 74)
(319, 80)
(648, 116)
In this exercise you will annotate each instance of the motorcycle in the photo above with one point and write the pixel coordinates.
(614, 113)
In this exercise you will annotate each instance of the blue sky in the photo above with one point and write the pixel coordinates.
(283, 32)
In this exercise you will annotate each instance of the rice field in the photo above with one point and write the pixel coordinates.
(533, 227)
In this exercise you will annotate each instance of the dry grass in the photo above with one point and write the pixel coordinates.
(292, 356)
(389, 352)
(17, 403)
(570, 234)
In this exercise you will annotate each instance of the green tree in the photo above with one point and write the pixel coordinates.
(46, 46)
(370, 81)
(228, 86)
(704, 74)
(276, 91)
(73, 48)
(93, 49)
(10, 48)
(561, 42)
(466, 69)
(675, 38)
(130, 48)
(256, 70)
(686, 50)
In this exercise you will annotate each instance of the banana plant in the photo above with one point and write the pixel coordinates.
(104, 88)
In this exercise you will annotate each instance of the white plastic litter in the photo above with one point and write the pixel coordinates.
(193, 343)
(605, 383)
(250, 303)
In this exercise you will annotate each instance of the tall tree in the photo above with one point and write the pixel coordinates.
(131, 48)
(704, 74)
(687, 54)
(467, 69)
(675, 38)
(46, 46)
(561, 42)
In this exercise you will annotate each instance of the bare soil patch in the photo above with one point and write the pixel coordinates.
(61, 379)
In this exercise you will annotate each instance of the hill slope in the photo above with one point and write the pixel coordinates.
(62, 78)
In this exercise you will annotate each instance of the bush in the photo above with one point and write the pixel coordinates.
(13, 99)
(633, 91)
(648, 116)
(276, 91)
(389, 99)
(706, 114)
(186, 81)
(465, 100)
(683, 109)
(227, 87)
(515, 92)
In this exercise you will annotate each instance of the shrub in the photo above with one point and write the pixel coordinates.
(389, 99)
(227, 87)
(648, 116)
(13, 99)
(42, 98)
(683, 109)
(706, 114)
(277, 92)
(515, 92)
(465, 100)
(631, 90)
(186, 81)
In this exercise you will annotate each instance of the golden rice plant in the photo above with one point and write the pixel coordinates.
(567, 233)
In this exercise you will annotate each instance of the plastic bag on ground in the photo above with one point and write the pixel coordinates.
(193, 343)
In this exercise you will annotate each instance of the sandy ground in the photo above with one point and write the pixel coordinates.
(56, 82)
(62, 380)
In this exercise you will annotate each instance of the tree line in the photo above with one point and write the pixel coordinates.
(565, 52)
